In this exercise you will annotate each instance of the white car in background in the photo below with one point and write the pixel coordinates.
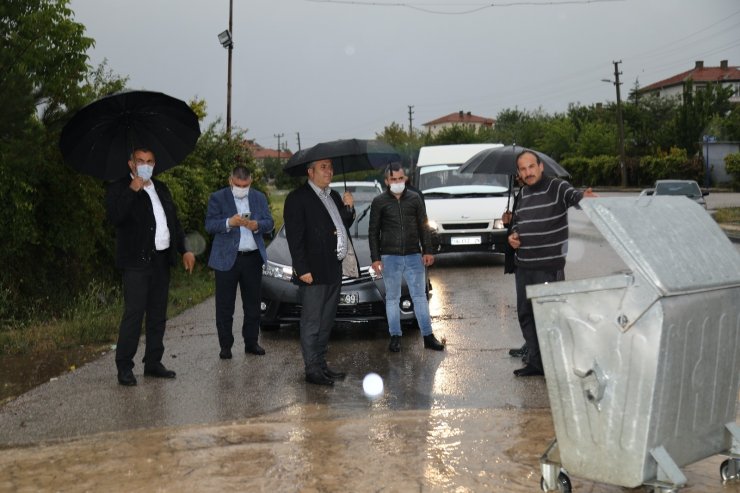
(464, 209)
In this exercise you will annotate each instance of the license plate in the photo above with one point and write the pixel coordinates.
(466, 240)
(349, 298)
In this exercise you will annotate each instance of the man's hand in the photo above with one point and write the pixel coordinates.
(378, 267)
(348, 200)
(188, 260)
(506, 217)
(307, 278)
(237, 220)
(589, 193)
(427, 259)
(136, 184)
(514, 240)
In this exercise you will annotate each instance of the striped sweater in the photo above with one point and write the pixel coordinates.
(541, 219)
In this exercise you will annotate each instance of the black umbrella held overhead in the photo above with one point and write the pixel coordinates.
(502, 161)
(346, 155)
(99, 138)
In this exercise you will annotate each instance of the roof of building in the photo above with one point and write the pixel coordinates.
(700, 73)
(259, 152)
(461, 117)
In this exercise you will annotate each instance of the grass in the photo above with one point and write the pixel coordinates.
(93, 319)
(729, 215)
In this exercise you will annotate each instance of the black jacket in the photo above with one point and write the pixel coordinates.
(133, 217)
(398, 226)
(312, 236)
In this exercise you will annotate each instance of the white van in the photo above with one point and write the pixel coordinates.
(464, 209)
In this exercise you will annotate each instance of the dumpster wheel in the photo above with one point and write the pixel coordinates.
(563, 485)
(729, 470)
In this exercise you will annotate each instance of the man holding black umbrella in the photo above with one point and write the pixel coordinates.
(148, 239)
(316, 222)
(540, 237)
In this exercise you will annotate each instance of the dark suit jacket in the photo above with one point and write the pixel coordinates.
(133, 217)
(312, 237)
(221, 206)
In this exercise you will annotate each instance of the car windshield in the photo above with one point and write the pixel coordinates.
(689, 188)
(445, 180)
(359, 226)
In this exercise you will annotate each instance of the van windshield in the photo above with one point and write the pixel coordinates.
(445, 180)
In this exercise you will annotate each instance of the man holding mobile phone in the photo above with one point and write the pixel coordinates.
(237, 216)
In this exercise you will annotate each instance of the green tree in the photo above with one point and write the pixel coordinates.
(597, 139)
(698, 108)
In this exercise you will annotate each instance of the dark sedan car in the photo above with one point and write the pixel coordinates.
(361, 300)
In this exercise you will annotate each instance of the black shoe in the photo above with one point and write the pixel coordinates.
(431, 342)
(334, 375)
(529, 371)
(158, 370)
(318, 378)
(395, 345)
(519, 352)
(225, 353)
(254, 349)
(126, 378)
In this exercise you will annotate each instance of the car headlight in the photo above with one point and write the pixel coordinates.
(278, 271)
(498, 224)
(433, 225)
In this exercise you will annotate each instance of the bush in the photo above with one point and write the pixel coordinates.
(732, 165)
(675, 165)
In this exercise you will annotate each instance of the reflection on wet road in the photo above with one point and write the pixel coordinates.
(452, 421)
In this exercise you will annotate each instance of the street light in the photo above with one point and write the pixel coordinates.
(227, 42)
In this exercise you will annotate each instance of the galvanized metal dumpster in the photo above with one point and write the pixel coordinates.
(643, 366)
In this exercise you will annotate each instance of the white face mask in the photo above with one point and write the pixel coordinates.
(397, 187)
(144, 171)
(239, 192)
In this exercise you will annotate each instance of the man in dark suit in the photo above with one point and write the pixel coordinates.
(148, 238)
(237, 216)
(316, 223)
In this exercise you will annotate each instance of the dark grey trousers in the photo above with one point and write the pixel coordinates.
(317, 319)
(525, 277)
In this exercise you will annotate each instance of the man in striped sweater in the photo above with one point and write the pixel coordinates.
(540, 238)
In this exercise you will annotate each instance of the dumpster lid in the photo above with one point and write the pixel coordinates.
(672, 241)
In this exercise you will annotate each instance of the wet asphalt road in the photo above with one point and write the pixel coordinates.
(451, 421)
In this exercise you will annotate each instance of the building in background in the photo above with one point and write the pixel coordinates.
(460, 118)
(672, 87)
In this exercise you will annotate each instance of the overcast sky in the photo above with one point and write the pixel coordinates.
(341, 69)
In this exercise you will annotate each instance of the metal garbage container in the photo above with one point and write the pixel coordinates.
(643, 366)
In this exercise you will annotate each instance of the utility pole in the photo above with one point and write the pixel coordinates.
(227, 41)
(279, 136)
(620, 123)
(228, 83)
(411, 135)
(298, 136)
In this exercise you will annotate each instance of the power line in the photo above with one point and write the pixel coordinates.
(475, 7)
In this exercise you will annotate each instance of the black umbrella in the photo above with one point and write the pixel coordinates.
(502, 161)
(346, 155)
(99, 138)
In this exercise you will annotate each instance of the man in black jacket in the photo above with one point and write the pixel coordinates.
(400, 247)
(316, 223)
(148, 238)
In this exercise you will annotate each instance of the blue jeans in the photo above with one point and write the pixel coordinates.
(411, 268)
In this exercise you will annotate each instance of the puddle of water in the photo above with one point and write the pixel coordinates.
(21, 373)
(451, 450)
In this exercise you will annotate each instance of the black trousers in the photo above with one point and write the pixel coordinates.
(145, 292)
(247, 274)
(317, 319)
(525, 277)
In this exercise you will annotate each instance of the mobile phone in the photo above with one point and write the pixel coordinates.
(245, 215)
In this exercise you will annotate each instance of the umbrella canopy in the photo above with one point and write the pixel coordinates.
(346, 155)
(502, 160)
(99, 138)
